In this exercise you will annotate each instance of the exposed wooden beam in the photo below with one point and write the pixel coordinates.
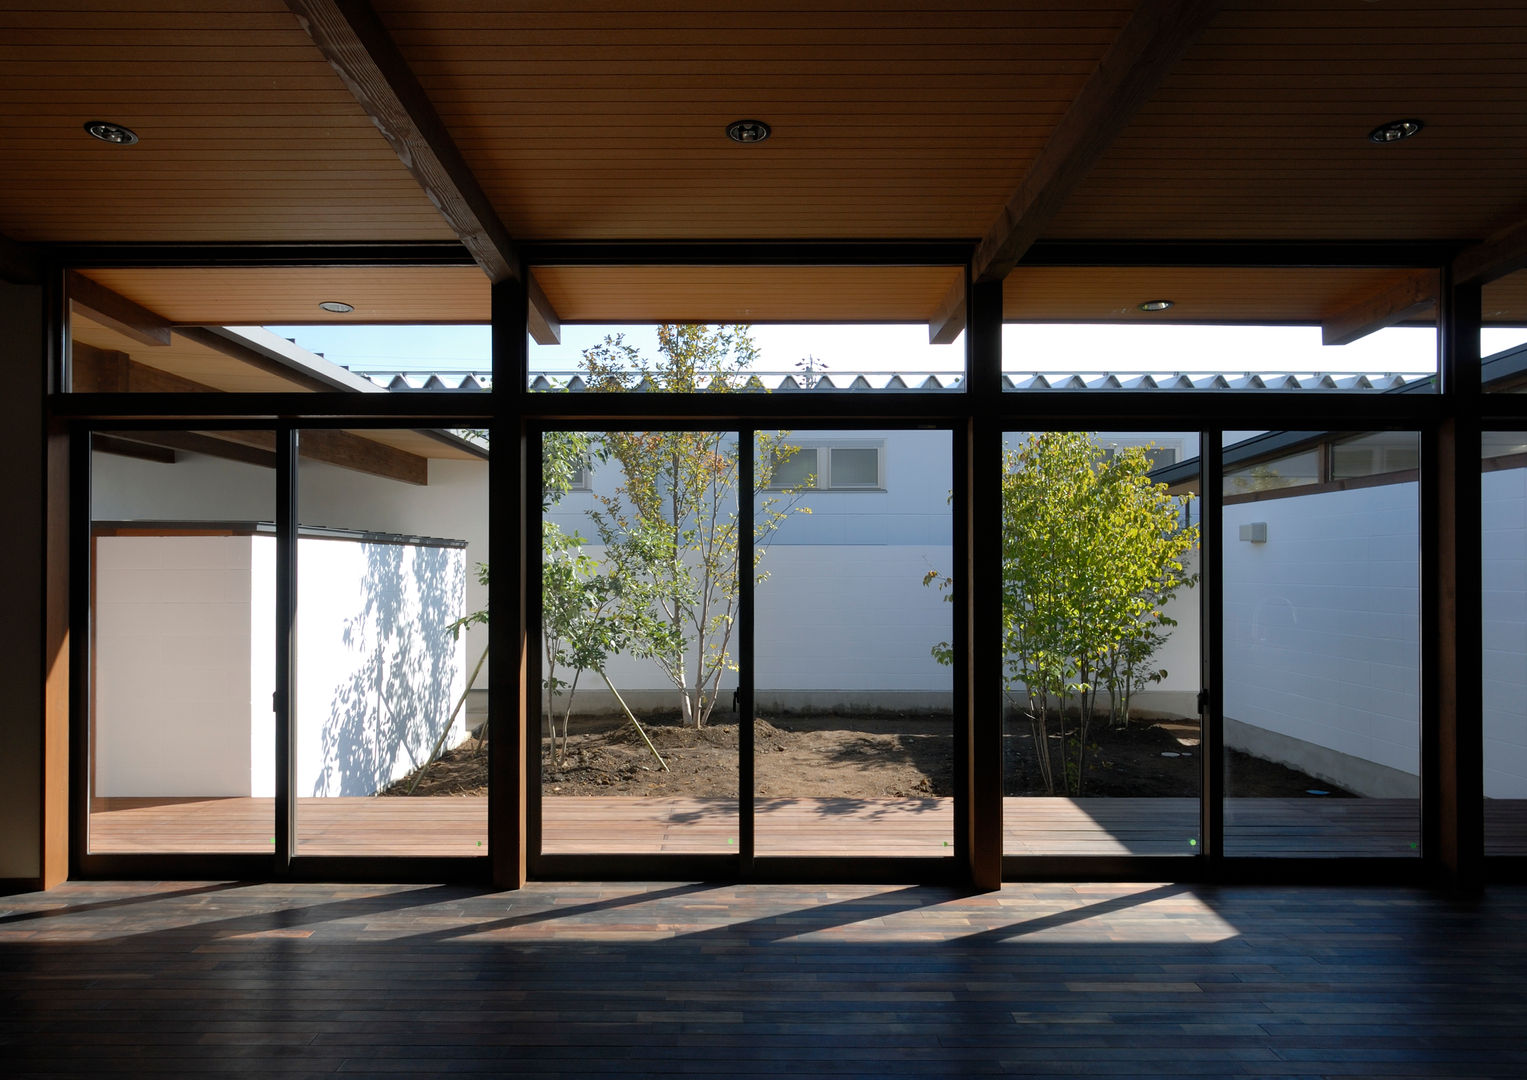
(358, 47)
(19, 264)
(103, 443)
(106, 371)
(345, 449)
(1409, 296)
(1155, 37)
(1502, 254)
(949, 320)
(541, 318)
(117, 311)
(351, 451)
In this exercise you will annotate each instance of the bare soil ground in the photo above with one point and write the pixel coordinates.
(878, 756)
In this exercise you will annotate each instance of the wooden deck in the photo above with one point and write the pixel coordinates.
(111, 980)
(885, 827)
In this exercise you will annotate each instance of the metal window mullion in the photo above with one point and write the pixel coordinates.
(286, 648)
(1211, 535)
(746, 671)
(81, 644)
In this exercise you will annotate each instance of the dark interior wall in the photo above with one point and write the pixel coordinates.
(23, 368)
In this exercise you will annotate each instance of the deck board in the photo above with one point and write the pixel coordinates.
(883, 827)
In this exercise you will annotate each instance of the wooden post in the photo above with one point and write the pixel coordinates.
(978, 514)
(509, 632)
(1452, 624)
(34, 641)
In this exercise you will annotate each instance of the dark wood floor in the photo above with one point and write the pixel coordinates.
(579, 980)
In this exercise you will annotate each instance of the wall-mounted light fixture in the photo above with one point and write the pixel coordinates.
(1254, 532)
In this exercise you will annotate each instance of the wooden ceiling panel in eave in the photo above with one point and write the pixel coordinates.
(259, 296)
(1504, 300)
(1198, 294)
(890, 120)
(1261, 131)
(731, 294)
(247, 133)
(184, 359)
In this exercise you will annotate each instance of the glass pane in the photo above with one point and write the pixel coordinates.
(390, 673)
(854, 725)
(639, 613)
(1100, 608)
(242, 329)
(1322, 723)
(855, 467)
(1220, 329)
(182, 734)
(795, 468)
(1376, 454)
(1504, 495)
(1503, 339)
(818, 329)
(1270, 472)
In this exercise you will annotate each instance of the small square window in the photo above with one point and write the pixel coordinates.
(855, 467)
(831, 465)
(797, 470)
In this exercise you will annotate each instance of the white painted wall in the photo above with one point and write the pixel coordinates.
(174, 695)
(454, 504)
(185, 664)
(378, 668)
(1321, 625)
(1505, 633)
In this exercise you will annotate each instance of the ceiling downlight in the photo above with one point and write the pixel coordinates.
(108, 132)
(748, 131)
(1395, 130)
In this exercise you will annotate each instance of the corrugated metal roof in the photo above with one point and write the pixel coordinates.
(851, 382)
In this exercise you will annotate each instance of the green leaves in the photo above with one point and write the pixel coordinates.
(671, 529)
(1092, 550)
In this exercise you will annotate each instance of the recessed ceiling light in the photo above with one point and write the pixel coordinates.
(112, 133)
(1155, 305)
(338, 307)
(747, 131)
(1394, 131)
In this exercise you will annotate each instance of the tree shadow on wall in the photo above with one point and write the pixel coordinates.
(387, 713)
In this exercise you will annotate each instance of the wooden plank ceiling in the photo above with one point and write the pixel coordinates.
(1260, 131)
(246, 132)
(286, 296)
(893, 119)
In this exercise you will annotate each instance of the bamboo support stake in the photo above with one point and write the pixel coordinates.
(634, 723)
(435, 751)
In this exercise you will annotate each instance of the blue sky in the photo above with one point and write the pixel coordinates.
(905, 348)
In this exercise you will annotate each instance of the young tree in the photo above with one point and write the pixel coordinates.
(671, 529)
(1091, 551)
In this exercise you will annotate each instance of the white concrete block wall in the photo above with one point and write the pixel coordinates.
(378, 669)
(1505, 633)
(454, 504)
(1321, 622)
(185, 663)
(852, 618)
(173, 691)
